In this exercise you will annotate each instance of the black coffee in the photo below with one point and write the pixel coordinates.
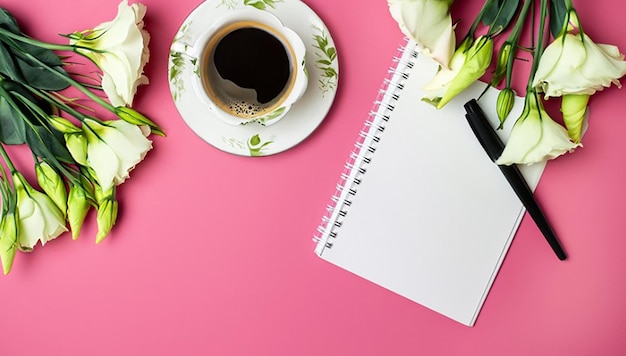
(255, 59)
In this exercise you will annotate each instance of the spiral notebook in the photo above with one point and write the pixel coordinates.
(420, 209)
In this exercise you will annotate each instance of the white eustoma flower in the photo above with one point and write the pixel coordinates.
(535, 137)
(39, 219)
(114, 148)
(574, 64)
(429, 24)
(120, 49)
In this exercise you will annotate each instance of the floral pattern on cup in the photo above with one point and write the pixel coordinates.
(326, 55)
(255, 145)
(178, 61)
(261, 4)
(255, 138)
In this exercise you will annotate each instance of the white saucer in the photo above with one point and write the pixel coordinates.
(254, 139)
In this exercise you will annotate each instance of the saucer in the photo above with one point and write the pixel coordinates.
(254, 139)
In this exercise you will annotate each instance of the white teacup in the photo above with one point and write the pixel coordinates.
(251, 67)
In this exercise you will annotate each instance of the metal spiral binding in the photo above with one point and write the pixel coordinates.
(365, 146)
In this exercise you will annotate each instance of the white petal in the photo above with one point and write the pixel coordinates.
(574, 64)
(104, 162)
(535, 139)
(124, 53)
(108, 85)
(429, 24)
(39, 219)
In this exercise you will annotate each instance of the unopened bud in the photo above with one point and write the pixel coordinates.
(501, 65)
(77, 145)
(63, 125)
(136, 118)
(574, 109)
(53, 184)
(8, 240)
(504, 104)
(77, 208)
(107, 215)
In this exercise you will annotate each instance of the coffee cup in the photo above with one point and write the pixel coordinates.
(251, 68)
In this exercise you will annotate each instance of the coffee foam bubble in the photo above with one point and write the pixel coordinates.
(245, 109)
(240, 101)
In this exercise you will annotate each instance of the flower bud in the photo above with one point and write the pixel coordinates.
(63, 125)
(468, 64)
(107, 214)
(77, 208)
(136, 118)
(52, 184)
(501, 65)
(8, 240)
(504, 104)
(99, 194)
(574, 109)
(77, 145)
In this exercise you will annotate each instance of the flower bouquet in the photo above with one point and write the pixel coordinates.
(79, 154)
(566, 64)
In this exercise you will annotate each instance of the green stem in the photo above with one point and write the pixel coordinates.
(46, 45)
(472, 29)
(540, 46)
(514, 40)
(571, 11)
(55, 101)
(7, 160)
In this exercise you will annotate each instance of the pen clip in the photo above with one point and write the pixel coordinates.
(486, 135)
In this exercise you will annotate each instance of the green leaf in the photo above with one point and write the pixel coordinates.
(499, 13)
(8, 21)
(274, 114)
(331, 53)
(330, 72)
(321, 42)
(257, 4)
(12, 128)
(255, 140)
(24, 62)
(41, 77)
(19, 112)
(8, 67)
(44, 55)
(558, 11)
(47, 142)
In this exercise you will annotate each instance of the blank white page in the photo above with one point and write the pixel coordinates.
(433, 216)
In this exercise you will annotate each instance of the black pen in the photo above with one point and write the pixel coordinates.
(493, 146)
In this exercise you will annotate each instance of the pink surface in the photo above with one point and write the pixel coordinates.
(212, 254)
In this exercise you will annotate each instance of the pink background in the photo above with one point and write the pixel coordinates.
(212, 253)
